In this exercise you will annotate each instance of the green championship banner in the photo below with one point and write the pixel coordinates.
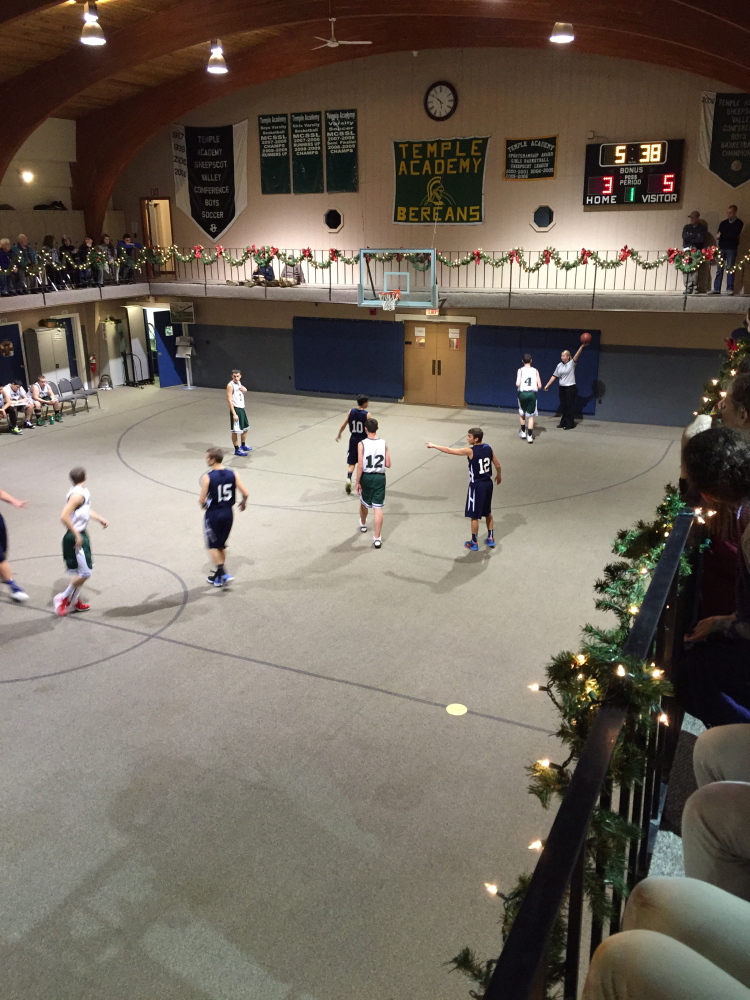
(440, 181)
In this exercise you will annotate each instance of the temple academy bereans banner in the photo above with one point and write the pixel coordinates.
(440, 181)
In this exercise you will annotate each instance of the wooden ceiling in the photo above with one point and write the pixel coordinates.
(153, 65)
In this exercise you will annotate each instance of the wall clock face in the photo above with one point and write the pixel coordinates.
(441, 100)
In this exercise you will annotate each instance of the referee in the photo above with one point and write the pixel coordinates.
(566, 373)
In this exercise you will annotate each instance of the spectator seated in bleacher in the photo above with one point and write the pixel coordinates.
(714, 684)
(15, 398)
(24, 257)
(5, 265)
(263, 274)
(41, 396)
(68, 257)
(291, 274)
(86, 272)
(108, 263)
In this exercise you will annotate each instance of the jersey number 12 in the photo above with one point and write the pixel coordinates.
(379, 459)
(484, 466)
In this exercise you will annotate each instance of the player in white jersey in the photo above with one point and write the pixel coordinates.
(528, 384)
(40, 394)
(15, 399)
(75, 545)
(373, 458)
(237, 414)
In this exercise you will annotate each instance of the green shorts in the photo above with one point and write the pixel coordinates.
(527, 403)
(373, 489)
(241, 423)
(77, 561)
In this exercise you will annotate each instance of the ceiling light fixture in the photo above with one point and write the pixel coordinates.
(562, 33)
(92, 33)
(26, 176)
(216, 62)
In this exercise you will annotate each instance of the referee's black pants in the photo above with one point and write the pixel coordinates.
(568, 395)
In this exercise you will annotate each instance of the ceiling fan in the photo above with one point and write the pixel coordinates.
(333, 42)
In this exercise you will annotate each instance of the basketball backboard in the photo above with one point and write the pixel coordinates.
(410, 272)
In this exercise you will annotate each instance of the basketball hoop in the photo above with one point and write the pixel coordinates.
(389, 299)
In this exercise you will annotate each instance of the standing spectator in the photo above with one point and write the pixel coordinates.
(5, 265)
(730, 230)
(108, 264)
(566, 373)
(50, 260)
(85, 251)
(24, 257)
(126, 251)
(68, 257)
(694, 236)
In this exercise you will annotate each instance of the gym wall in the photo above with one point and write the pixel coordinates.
(567, 94)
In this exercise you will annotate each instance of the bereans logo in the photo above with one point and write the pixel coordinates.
(440, 181)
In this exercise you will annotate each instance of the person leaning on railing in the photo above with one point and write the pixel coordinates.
(85, 252)
(126, 251)
(24, 258)
(51, 262)
(5, 265)
(108, 262)
(68, 256)
(714, 683)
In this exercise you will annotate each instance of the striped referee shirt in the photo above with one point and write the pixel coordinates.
(566, 372)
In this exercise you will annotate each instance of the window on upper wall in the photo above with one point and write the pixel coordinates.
(542, 219)
(334, 220)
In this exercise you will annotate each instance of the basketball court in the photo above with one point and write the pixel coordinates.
(258, 791)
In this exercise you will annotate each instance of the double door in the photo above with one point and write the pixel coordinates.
(434, 363)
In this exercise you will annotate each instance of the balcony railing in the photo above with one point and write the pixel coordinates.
(664, 616)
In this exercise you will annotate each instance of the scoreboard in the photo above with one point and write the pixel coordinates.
(633, 173)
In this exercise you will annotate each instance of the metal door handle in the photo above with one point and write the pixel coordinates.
(433, 367)
(440, 367)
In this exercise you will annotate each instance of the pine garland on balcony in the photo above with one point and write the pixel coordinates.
(685, 261)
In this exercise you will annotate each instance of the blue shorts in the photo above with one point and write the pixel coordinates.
(216, 526)
(479, 499)
(352, 455)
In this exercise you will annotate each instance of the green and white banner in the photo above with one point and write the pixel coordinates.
(440, 181)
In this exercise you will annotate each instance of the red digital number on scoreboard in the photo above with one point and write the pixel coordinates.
(601, 185)
(661, 183)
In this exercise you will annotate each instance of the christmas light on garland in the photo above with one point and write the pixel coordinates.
(685, 261)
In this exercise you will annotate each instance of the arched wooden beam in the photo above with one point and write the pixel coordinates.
(709, 44)
(110, 138)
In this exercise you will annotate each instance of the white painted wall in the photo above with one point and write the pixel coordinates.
(513, 93)
(47, 153)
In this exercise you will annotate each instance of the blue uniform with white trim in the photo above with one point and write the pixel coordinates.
(357, 433)
(479, 496)
(219, 502)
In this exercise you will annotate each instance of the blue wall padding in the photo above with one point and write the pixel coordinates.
(493, 356)
(348, 357)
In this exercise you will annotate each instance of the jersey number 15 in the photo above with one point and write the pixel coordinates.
(225, 492)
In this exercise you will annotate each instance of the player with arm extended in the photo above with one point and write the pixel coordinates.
(238, 421)
(373, 458)
(566, 373)
(217, 497)
(75, 545)
(6, 573)
(479, 498)
(355, 420)
(528, 383)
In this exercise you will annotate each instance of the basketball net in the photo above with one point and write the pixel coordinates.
(389, 299)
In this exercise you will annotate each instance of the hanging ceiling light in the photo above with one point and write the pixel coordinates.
(216, 62)
(562, 33)
(92, 33)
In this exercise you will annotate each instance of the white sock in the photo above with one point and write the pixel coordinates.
(68, 592)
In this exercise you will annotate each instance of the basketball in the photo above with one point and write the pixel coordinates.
(585, 338)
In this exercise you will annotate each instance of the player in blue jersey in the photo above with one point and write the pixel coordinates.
(355, 420)
(218, 488)
(479, 498)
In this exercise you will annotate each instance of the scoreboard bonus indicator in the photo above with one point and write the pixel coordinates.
(633, 173)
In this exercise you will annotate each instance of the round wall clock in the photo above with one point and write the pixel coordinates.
(441, 100)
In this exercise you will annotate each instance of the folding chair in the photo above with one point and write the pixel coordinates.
(65, 394)
(81, 392)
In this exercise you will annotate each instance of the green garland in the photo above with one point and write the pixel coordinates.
(685, 261)
(578, 683)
